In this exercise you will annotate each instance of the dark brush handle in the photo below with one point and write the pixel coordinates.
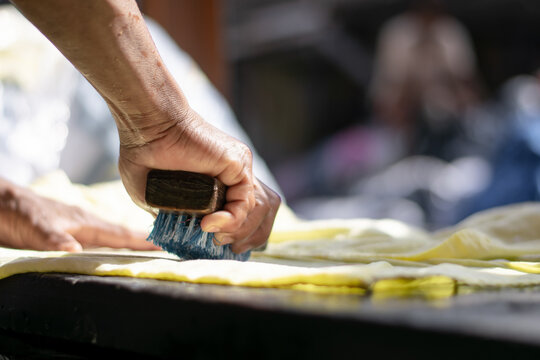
(184, 191)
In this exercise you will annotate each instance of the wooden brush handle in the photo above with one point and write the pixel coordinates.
(184, 191)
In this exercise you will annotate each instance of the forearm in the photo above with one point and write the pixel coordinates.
(108, 42)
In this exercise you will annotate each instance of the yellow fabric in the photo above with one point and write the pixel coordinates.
(495, 248)
(432, 287)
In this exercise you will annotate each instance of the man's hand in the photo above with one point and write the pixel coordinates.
(191, 144)
(256, 228)
(30, 221)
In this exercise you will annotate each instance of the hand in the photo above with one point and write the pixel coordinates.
(30, 221)
(191, 144)
(258, 224)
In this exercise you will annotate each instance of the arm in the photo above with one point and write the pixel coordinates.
(109, 44)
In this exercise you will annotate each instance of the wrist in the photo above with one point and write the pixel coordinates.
(149, 118)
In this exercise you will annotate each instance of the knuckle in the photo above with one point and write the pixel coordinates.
(247, 154)
(245, 151)
(240, 158)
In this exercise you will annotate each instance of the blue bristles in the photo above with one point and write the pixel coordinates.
(181, 234)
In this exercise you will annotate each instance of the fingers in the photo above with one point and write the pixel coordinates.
(97, 233)
(254, 231)
(33, 222)
(64, 242)
(194, 145)
(55, 241)
(240, 197)
(230, 219)
(91, 231)
(258, 238)
(237, 162)
(240, 202)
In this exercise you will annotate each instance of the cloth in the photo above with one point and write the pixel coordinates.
(496, 248)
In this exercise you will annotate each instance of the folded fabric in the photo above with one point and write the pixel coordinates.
(496, 248)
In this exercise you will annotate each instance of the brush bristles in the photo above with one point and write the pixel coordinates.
(181, 234)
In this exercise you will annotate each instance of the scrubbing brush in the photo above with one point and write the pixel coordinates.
(183, 198)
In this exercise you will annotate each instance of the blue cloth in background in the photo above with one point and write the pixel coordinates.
(516, 167)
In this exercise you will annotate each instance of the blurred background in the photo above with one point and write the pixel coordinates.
(424, 111)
